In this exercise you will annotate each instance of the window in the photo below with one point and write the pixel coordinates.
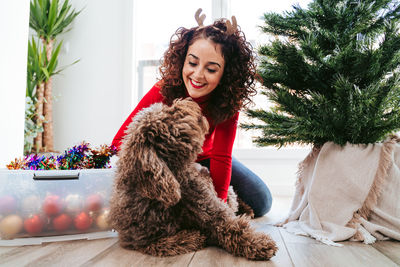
(250, 18)
(155, 22)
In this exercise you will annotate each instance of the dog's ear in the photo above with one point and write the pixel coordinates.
(157, 181)
(140, 165)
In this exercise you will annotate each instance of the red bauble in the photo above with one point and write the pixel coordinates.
(83, 221)
(62, 222)
(8, 204)
(52, 205)
(94, 202)
(33, 225)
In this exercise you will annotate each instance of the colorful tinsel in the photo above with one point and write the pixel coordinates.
(78, 157)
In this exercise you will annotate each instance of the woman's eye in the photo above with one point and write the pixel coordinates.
(192, 64)
(211, 70)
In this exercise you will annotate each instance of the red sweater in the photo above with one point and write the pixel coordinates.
(217, 145)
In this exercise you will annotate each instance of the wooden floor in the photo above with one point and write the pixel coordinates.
(293, 251)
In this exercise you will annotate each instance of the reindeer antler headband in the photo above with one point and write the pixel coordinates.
(231, 28)
(201, 19)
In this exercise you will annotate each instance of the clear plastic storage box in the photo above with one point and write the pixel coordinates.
(54, 205)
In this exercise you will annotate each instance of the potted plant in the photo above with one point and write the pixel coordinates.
(49, 19)
(39, 71)
(332, 73)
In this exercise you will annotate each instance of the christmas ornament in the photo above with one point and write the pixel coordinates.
(73, 203)
(78, 157)
(10, 226)
(8, 205)
(83, 221)
(62, 222)
(74, 158)
(101, 157)
(52, 205)
(35, 162)
(102, 220)
(94, 202)
(33, 225)
(30, 205)
(18, 164)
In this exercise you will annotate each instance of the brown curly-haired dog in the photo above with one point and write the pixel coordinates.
(162, 203)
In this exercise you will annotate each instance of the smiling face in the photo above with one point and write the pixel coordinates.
(203, 67)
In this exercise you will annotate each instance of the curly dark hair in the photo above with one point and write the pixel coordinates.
(238, 80)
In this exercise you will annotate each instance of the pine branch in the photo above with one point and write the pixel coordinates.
(332, 73)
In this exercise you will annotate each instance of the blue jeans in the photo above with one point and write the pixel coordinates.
(249, 187)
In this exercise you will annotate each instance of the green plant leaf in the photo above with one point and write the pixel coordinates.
(46, 73)
(63, 68)
(52, 15)
(48, 20)
(53, 60)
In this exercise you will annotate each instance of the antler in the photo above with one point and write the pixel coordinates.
(231, 27)
(200, 19)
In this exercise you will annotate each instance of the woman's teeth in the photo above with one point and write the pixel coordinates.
(197, 84)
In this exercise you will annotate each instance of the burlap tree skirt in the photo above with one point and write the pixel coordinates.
(348, 193)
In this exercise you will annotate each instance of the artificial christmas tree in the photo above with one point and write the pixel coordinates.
(333, 75)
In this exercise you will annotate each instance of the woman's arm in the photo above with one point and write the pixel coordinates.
(221, 155)
(153, 96)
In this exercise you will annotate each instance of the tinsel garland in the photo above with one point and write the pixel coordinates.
(78, 157)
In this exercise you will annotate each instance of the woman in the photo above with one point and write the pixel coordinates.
(214, 65)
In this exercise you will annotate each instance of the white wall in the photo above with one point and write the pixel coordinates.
(94, 95)
(14, 26)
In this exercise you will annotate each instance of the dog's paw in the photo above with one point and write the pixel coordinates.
(262, 248)
(257, 246)
(241, 240)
